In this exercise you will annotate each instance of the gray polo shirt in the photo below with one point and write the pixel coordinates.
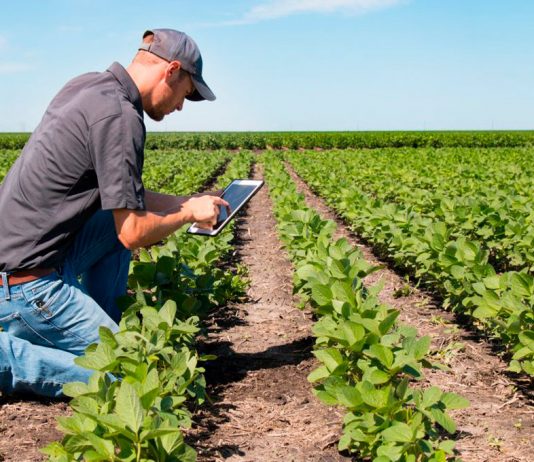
(86, 154)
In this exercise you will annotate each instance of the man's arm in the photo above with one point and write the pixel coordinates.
(167, 203)
(161, 203)
(142, 228)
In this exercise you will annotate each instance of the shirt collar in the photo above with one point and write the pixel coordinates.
(128, 84)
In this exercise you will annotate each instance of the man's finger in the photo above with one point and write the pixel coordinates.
(220, 201)
(204, 225)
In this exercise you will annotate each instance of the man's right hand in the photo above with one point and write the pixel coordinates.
(204, 210)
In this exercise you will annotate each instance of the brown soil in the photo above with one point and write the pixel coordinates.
(26, 426)
(499, 424)
(263, 409)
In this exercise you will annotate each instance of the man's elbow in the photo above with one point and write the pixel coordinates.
(127, 229)
(128, 241)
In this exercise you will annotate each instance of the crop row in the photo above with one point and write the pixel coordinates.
(368, 360)
(410, 225)
(481, 194)
(324, 140)
(148, 374)
(178, 171)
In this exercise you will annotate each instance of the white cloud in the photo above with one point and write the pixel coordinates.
(274, 9)
(13, 68)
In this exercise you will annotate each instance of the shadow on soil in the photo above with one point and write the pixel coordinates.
(231, 367)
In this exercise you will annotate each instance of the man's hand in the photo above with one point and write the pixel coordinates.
(204, 209)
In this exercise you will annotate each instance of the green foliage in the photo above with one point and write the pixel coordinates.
(309, 140)
(337, 140)
(368, 360)
(140, 415)
(459, 221)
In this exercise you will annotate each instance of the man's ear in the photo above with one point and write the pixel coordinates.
(173, 68)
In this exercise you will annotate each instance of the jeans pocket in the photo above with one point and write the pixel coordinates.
(42, 295)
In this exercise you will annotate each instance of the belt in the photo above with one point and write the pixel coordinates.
(22, 276)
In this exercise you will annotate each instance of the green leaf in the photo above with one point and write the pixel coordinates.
(326, 398)
(151, 434)
(168, 312)
(382, 353)
(444, 420)
(103, 358)
(107, 337)
(454, 401)
(484, 311)
(492, 282)
(431, 396)
(74, 389)
(353, 331)
(321, 294)
(331, 357)
(128, 407)
(349, 397)
(376, 398)
(318, 374)
(388, 322)
(421, 347)
(56, 452)
(103, 447)
(76, 424)
(85, 405)
(116, 424)
(515, 366)
(398, 432)
(527, 338)
(171, 441)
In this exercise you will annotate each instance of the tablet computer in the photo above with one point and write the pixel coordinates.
(237, 194)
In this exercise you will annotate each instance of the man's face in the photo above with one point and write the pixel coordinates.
(169, 94)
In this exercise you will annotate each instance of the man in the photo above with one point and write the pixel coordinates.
(73, 207)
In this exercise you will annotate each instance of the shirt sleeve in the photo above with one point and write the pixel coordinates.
(117, 152)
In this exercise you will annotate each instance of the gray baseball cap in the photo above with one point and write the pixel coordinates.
(173, 45)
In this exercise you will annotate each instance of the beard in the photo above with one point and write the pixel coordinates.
(155, 114)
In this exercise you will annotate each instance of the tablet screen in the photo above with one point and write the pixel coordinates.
(234, 195)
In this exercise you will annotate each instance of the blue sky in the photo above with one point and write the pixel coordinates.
(291, 64)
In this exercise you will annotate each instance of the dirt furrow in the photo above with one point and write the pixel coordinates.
(499, 424)
(263, 409)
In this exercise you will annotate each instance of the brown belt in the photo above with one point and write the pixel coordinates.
(22, 276)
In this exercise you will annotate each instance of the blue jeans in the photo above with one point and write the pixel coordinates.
(48, 322)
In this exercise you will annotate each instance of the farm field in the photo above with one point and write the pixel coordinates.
(373, 302)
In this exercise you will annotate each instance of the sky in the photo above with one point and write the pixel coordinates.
(291, 64)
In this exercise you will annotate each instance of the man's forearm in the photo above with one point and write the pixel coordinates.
(167, 203)
(141, 229)
(163, 203)
(137, 228)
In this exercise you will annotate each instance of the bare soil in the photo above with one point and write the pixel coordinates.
(499, 424)
(263, 408)
(27, 425)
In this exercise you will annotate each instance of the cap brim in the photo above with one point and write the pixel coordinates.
(202, 91)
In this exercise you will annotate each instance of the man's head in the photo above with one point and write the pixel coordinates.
(167, 69)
